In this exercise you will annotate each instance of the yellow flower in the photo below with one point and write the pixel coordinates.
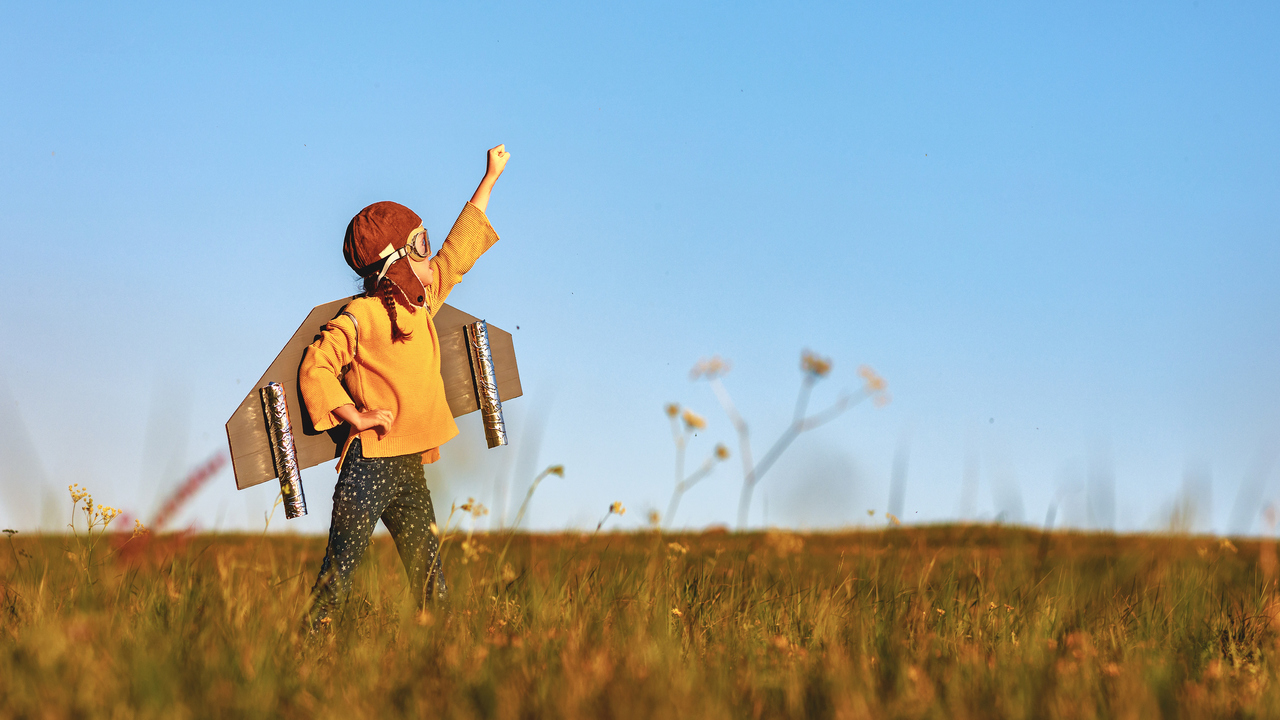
(722, 452)
(473, 507)
(471, 551)
(709, 368)
(871, 513)
(1226, 545)
(676, 547)
(672, 409)
(941, 611)
(814, 364)
(139, 529)
(676, 612)
(557, 470)
(893, 518)
(617, 509)
(693, 420)
(873, 382)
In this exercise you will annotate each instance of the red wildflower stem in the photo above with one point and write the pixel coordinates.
(193, 482)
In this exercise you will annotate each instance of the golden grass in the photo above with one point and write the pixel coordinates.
(945, 622)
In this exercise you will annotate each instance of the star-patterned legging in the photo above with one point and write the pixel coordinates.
(395, 490)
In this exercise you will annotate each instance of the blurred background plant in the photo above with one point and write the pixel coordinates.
(684, 425)
(813, 368)
(615, 508)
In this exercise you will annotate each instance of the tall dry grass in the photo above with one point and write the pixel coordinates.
(951, 622)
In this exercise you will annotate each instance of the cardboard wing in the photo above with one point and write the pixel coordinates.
(247, 431)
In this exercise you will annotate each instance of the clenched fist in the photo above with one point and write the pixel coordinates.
(497, 161)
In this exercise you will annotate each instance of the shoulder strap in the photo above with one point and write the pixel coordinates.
(356, 323)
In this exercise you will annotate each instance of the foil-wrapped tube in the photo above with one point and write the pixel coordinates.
(275, 410)
(495, 430)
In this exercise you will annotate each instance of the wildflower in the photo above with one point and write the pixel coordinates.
(941, 611)
(471, 551)
(9, 531)
(709, 368)
(557, 470)
(814, 364)
(615, 508)
(676, 612)
(893, 518)
(871, 513)
(873, 381)
(473, 507)
(672, 410)
(1226, 545)
(693, 420)
(722, 452)
(139, 529)
(677, 548)
(991, 606)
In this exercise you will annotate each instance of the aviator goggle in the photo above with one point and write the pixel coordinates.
(418, 248)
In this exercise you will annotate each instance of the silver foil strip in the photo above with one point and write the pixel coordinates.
(495, 430)
(275, 410)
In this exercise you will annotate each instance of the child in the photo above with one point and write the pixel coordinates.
(376, 367)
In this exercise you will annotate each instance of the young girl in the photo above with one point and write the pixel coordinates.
(376, 367)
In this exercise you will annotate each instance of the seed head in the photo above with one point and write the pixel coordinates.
(693, 420)
(873, 382)
(814, 364)
(709, 368)
(557, 470)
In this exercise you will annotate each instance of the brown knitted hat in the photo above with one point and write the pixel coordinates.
(377, 232)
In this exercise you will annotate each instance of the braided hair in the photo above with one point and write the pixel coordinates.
(386, 290)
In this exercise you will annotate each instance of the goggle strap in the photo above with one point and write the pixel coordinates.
(386, 265)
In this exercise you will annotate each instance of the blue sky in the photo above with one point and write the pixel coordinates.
(1052, 230)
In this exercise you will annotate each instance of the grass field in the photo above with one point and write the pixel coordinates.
(945, 622)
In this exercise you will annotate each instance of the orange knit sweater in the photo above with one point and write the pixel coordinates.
(403, 377)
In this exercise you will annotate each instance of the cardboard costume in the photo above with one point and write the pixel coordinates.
(425, 380)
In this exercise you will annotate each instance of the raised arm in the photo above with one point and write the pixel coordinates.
(497, 162)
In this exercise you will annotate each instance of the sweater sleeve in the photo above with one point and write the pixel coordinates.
(470, 237)
(319, 376)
